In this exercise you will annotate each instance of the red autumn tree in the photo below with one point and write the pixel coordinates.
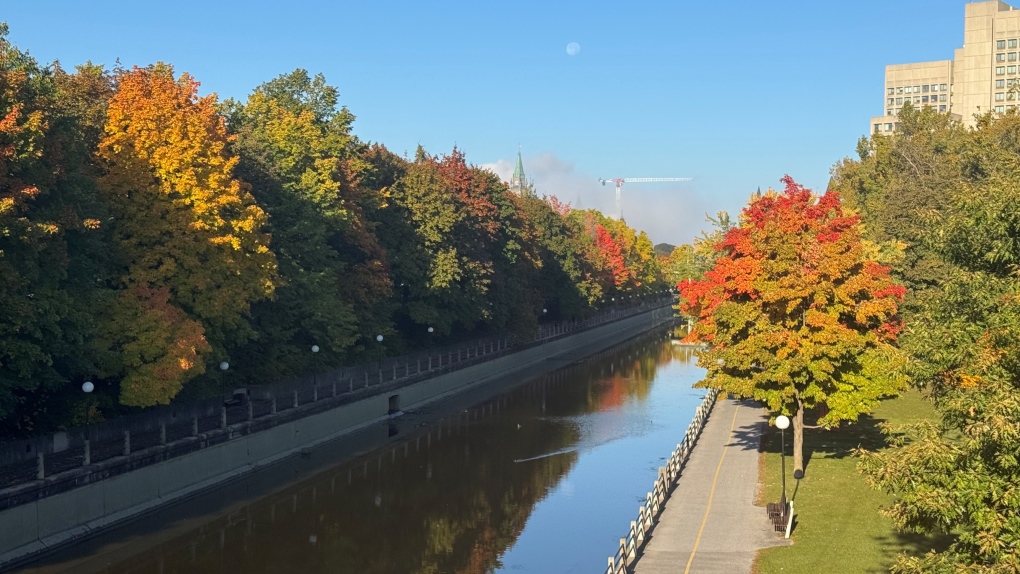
(612, 255)
(795, 313)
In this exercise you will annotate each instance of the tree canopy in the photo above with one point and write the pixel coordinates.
(149, 232)
(795, 314)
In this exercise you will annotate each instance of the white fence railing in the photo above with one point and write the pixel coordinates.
(648, 514)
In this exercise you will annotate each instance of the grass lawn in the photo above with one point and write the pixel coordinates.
(837, 527)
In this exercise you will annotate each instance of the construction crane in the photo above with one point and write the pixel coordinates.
(622, 180)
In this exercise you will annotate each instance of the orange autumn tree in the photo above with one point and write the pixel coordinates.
(795, 313)
(187, 234)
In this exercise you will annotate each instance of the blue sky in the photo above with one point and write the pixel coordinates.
(732, 94)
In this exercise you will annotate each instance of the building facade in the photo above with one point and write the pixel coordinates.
(984, 75)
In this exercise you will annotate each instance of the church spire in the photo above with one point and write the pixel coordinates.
(518, 184)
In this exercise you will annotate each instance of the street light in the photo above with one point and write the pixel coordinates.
(315, 366)
(783, 423)
(379, 338)
(88, 387)
(223, 367)
(431, 330)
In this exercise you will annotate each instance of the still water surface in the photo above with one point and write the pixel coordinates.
(544, 478)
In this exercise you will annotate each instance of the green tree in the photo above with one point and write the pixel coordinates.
(51, 247)
(896, 180)
(297, 151)
(959, 474)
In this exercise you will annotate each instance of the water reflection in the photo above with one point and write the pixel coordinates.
(453, 496)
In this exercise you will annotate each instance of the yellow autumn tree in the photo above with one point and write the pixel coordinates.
(182, 223)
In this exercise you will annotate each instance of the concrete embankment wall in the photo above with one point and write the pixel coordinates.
(42, 524)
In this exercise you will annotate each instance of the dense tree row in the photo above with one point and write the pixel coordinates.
(149, 233)
(948, 198)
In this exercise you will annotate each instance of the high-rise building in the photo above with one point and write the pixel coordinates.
(984, 75)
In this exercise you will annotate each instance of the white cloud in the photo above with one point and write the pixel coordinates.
(668, 212)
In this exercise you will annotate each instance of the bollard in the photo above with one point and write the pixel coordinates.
(394, 371)
(40, 467)
(162, 433)
(295, 400)
(223, 417)
(334, 389)
(366, 378)
(350, 385)
(88, 454)
(127, 443)
(430, 362)
(380, 375)
(315, 394)
(194, 425)
(251, 410)
(272, 405)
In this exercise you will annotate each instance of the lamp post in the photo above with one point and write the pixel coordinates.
(379, 339)
(782, 423)
(223, 367)
(431, 330)
(315, 366)
(88, 387)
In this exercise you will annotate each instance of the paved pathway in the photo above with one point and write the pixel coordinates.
(710, 525)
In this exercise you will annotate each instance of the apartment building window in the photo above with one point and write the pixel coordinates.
(942, 97)
(1010, 82)
(1000, 70)
(942, 108)
(899, 100)
(1000, 97)
(878, 127)
(889, 91)
(1000, 45)
(942, 87)
(917, 99)
(1012, 69)
(888, 127)
(1010, 96)
(1012, 43)
(1000, 83)
(1000, 57)
(924, 88)
(934, 87)
(1011, 57)
(999, 109)
(924, 99)
(1010, 108)
(898, 110)
(888, 112)
(890, 101)
(899, 90)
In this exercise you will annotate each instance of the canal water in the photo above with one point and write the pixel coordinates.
(544, 477)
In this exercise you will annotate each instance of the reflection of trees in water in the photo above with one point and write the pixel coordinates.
(450, 499)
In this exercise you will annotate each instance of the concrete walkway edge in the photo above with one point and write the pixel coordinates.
(710, 523)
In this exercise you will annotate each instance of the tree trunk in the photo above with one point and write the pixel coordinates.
(798, 438)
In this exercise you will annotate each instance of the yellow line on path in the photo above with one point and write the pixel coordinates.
(711, 495)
